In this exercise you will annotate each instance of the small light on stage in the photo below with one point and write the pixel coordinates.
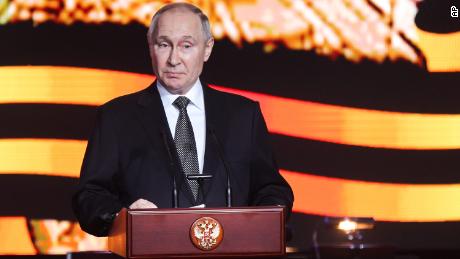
(351, 225)
(346, 237)
(347, 226)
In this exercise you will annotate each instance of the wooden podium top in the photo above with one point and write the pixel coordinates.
(168, 233)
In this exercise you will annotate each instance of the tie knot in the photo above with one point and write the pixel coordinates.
(181, 102)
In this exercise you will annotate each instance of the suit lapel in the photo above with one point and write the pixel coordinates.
(153, 118)
(211, 156)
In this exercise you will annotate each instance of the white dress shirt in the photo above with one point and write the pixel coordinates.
(196, 113)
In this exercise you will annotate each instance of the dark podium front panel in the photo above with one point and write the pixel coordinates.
(160, 233)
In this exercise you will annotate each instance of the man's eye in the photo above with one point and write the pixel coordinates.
(187, 46)
(162, 45)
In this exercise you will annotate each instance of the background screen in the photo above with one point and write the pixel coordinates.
(361, 98)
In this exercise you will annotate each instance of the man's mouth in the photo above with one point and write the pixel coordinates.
(173, 74)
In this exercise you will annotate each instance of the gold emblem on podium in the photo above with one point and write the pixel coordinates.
(206, 233)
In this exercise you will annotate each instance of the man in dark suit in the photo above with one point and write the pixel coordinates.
(177, 127)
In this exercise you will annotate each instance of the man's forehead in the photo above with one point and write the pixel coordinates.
(177, 14)
(180, 23)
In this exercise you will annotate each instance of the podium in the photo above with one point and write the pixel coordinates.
(205, 232)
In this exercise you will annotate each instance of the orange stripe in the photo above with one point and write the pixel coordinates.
(382, 201)
(313, 194)
(322, 122)
(441, 50)
(15, 237)
(360, 127)
(41, 156)
(67, 85)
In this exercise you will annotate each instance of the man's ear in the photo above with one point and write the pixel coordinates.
(208, 49)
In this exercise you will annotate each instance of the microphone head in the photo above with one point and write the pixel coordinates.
(199, 176)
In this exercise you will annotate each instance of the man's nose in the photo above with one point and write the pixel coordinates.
(174, 59)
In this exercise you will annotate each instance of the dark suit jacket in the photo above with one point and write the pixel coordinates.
(127, 158)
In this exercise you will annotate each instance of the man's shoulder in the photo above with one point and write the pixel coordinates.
(231, 99)
(125, 102)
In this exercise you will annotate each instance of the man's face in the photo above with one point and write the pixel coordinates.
(179, 50)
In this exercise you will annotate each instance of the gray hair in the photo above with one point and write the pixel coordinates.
(184, 6)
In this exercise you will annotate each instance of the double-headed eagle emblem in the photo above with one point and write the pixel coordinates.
(206, 233)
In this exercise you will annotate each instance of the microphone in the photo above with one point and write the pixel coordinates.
(199, 177)
(224, 161)
(172, 165)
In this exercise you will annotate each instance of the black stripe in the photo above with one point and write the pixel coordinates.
(391, 86)
(431, 16)
(369, 164)
(62, 121)
(107, 46)
(37, 196)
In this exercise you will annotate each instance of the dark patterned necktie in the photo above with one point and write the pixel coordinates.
(185, 143)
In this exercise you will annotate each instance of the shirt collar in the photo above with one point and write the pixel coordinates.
(195, 94)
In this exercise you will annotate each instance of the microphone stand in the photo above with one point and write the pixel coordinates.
(173, 167)
(227, 168)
